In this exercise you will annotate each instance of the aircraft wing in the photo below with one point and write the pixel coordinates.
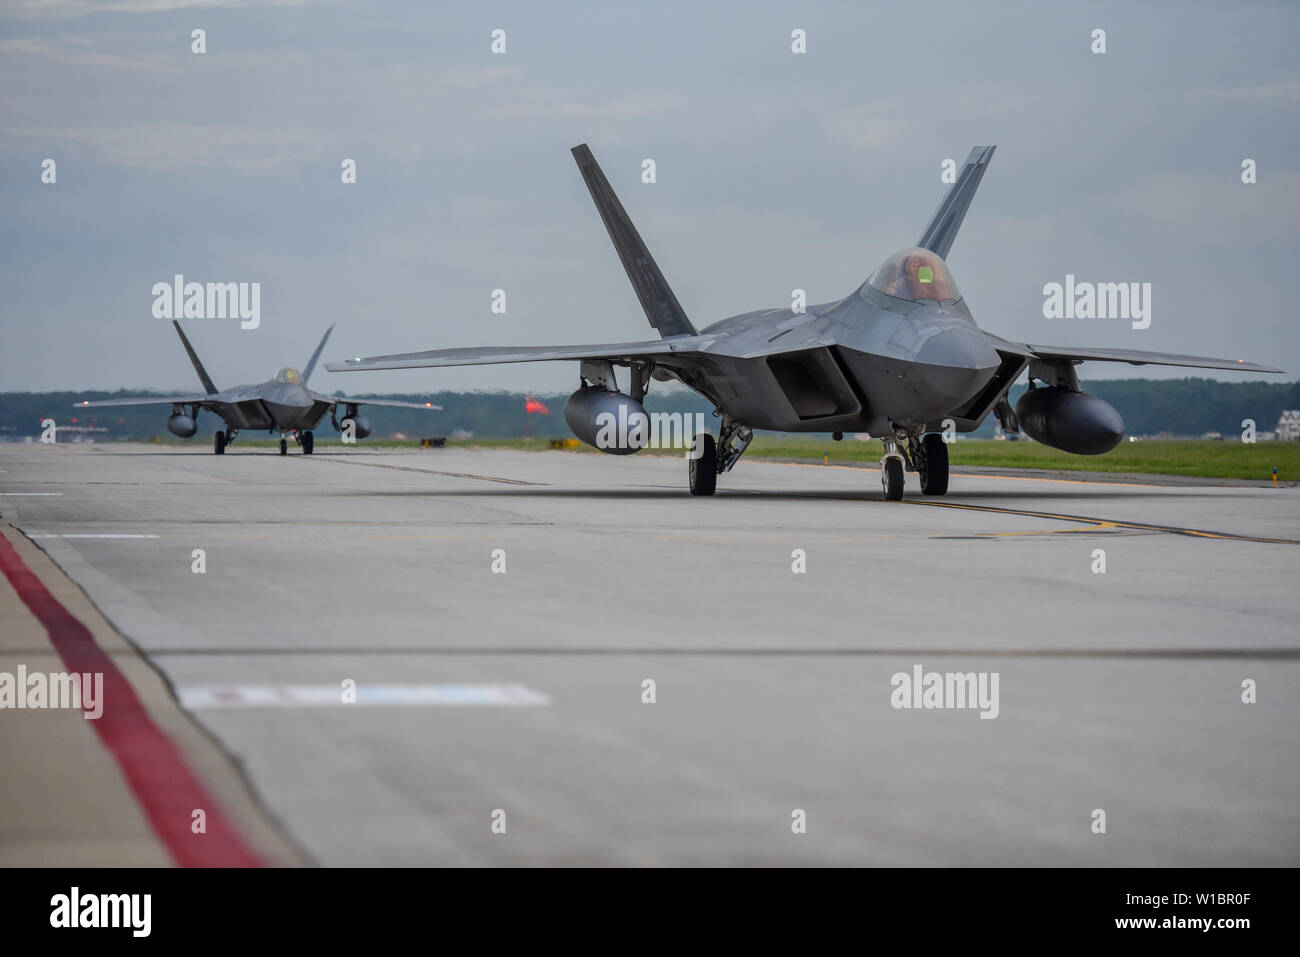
(1139, 358)
(172, 400)
(390, 403)
(657, 349)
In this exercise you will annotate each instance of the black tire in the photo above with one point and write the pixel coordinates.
(892, 479)
(308, 443)
(284, 447)
(702, 470)
(219, 443)
(934, 477)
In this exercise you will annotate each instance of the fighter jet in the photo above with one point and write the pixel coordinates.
(900, 358)
(281, 404)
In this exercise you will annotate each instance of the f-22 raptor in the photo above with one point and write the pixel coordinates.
(898, 358)
(281, 404)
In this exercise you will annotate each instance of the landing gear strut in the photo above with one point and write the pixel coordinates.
(733, 439)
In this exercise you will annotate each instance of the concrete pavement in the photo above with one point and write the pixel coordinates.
(1118, 691)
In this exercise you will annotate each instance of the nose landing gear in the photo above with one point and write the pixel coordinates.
(891, 472)
(927, 455)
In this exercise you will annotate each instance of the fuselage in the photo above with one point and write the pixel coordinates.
(274, 406)
(868, 362)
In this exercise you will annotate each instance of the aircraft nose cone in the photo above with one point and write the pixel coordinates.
(957, 363)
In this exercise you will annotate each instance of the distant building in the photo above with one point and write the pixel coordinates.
(1288, 427)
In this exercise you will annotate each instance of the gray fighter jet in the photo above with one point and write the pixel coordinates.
(900, 357)
(282, 404)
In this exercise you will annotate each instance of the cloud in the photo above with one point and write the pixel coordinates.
(76, 50)
(65, 9)
(1281, 90)
(1216, 207)
(533, 102)
(865, 127)
(170, 146)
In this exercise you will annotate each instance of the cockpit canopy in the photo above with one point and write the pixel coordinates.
(917, 275)
(288, 375)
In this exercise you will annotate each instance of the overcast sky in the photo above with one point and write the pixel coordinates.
(775, 171)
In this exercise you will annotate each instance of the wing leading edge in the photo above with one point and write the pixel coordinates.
(492, 355)
(204, 400)
(1139, 358)
(390, 403)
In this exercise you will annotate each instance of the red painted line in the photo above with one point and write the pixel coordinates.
(163, 784)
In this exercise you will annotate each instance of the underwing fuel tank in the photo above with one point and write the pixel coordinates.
(360, 425)
(1070, 421)
(182, 426)
(610, 421)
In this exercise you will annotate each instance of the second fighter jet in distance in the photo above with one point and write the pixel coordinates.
(281, 404)
(898, 357)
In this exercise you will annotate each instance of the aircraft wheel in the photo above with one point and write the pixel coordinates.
(702, 467)
(284, 447)
(934, 477)
(891, 477)
(219, 443)
(308, 442)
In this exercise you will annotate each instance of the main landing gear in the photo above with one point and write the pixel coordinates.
(304, 440)
(927, 455)
(221, 440)
(702, 466)
(709, 459)
(933, 465)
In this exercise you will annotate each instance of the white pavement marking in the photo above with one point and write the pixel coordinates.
(90, 535)
(16, 494)
(311, 696)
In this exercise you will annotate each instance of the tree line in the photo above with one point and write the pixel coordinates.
(1182, 407)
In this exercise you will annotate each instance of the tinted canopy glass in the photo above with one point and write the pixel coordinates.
(288, 375)
(915, 274)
